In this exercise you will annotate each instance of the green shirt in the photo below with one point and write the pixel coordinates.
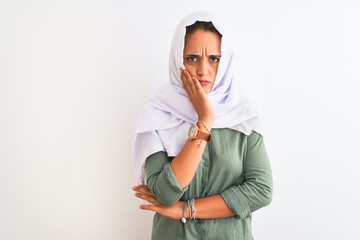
(234, 165)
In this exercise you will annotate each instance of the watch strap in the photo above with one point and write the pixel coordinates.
(204, 136)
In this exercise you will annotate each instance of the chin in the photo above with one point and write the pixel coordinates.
(207, 91)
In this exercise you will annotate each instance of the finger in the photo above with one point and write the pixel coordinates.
(142, 189)
(198, 86)
(189, 84)
(149, 207)
(148, 198)
(145, 189)
(189, 78)
(185, 80)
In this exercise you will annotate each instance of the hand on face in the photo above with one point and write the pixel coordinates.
(198, 98)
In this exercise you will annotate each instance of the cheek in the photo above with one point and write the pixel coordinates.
(191, 69)
(213, 73)
(215, 69)
(212, 84)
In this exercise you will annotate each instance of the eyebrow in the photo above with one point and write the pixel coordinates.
(195, 55)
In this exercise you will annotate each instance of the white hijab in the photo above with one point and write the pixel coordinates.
(164, 121)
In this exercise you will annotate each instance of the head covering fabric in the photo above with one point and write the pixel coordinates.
(163, 122)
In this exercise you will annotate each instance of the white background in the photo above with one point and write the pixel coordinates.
(74, 74)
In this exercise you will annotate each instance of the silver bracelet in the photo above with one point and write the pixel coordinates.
(192, 208)
(183, 219)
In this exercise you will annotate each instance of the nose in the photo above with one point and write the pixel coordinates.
(203, 68)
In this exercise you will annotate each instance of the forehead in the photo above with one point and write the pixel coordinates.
(201, 39)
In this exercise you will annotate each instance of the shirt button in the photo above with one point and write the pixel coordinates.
(206, 163)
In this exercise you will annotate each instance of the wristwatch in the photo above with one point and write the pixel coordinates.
(195, 133)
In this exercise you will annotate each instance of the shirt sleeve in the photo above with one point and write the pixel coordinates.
(161, 179)
(256, 190)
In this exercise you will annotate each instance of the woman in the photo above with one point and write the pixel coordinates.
(197, 144)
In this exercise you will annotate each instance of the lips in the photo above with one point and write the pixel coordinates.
(204, 82)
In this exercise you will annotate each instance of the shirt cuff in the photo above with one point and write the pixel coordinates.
(236, 202)
(168, 190)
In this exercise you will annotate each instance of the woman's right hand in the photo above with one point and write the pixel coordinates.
(174, 211)
(198, 98)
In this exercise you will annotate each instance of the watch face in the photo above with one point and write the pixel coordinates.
(192, 132)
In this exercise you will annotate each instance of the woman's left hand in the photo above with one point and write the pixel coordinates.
(173, 212)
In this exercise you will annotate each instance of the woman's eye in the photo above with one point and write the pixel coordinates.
(192, 59)
(214, 59)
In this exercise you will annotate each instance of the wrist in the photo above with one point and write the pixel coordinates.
(205, 125)
(183, 212)
(207, 118)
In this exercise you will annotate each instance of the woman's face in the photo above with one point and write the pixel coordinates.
(202, 54)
